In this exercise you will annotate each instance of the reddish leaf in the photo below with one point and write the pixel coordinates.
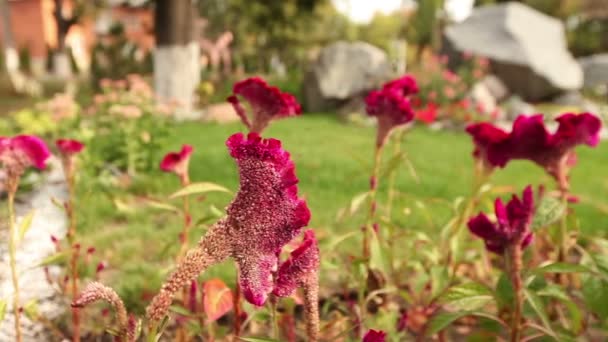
(217, 299)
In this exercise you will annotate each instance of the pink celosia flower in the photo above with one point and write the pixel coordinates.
(374, 336)
(263, 217)
(23, 151)
(512, 223)
(391, 109)
(303, 261)
(529, 139)
(266, 213)
(267, 103)
(69, 147)
(177, 162)
(407, 85)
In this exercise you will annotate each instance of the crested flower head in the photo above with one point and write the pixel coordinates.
(69, 147)
(266, 102)
(530, 139)
(177, 162)
(512, 224)
(303, 261)
(266, 213)
(391, 109)
(406, 85)
(95, 292)
(374, 336)
(21, 152)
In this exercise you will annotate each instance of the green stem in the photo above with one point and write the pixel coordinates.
(12, 247)
(372, 202)
(274, 317)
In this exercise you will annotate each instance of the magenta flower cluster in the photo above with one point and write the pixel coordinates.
(512, 224)
(391, 106)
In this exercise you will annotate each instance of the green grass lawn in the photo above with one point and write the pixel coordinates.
(333, 165)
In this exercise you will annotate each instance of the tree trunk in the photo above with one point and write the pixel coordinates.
(62, 66)
(11, 56)
(176, 56)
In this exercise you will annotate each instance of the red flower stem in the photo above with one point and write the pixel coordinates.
(185, 181)
(563, 233)
(372, 201)
(68, 169)
(237, 307)
(273, 301)
(12, 246)
(515, 254)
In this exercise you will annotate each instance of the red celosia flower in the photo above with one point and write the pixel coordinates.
(406, 85)
(267, 103)
(23, 151)
(529, 139)
(303, 261)
(428, 114)
(69, 147)
(512, 223)
(391, 109)
(266, 213)
(263, 217)
(374, 336)
(177, 162)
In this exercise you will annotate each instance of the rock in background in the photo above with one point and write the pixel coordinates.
(343, 71)
(527, 49)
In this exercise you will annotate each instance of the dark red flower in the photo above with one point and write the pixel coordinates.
(406, 85)
(267, 103)
(391, 109)
(177, 162)
(303, 261)
(529, 139)
(266, 213)
(374, 336)
(69, 147)
(23, 151)
(512, 223)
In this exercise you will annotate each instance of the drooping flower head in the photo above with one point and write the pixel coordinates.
(69, 147)
(177, 162)
(390, 106)
(530, 139)
(374, 336)
(512, 224)
(303, 261)
(267, 103)
(266, 213)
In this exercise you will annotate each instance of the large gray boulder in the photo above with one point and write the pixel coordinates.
(595, 68)
(342, 71)
(527, 48)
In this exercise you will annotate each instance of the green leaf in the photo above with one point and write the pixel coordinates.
(56, 258)
(199, 188)
(57, 202)
(257, 339)
(2, 309)
(161, 205)
(595, 294)
(576, 316)
(356, 202)
(440, 279)
(562, 267)
(180, 310)
(442, 320)
(378, 258)
(31, 309)
(504, 292)
(26, 223)
(539, 308)
(470, 296)
(548, 211)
